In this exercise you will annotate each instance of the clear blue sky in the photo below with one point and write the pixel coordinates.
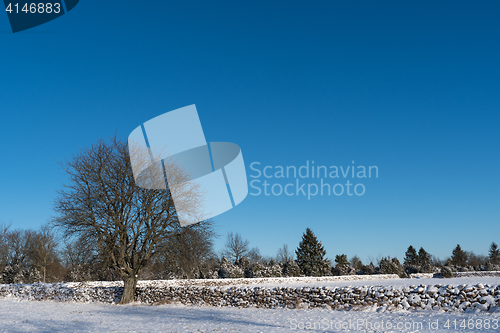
(411, 87)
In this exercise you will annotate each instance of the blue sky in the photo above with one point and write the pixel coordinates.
(411, 87)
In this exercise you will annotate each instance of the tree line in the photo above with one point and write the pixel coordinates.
(309, 259)
(28, 256)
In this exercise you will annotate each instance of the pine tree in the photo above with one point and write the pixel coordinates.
(228, 270)
(391, 266)
(424, 260)
(410, 262)
(494, 256)
(343, 266)
(311, 255)
(341, 260)
(459, 256)
(411, 257)
(291, 268)
(369, 269)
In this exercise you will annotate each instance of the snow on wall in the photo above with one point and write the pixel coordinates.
(456, 274)
(476, 273)
(421, 275)
(240, 281)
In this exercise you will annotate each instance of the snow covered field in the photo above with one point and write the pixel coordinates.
(32, 316)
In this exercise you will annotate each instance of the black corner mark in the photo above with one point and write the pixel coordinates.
(25, 14)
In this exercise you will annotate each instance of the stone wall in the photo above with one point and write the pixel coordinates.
(431, 297)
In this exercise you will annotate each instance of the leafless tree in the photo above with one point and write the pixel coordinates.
(78, 258)
(77, 252)
(17, 241)
(42, 246)
(284, 254)
(4, 246)
(186, 250)
(235, 247)
(102, 204)
(84, 262)
(356, 263)
(255, 257)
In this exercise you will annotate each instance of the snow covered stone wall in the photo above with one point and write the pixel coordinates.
(437, 297)
(476, 273)
(421, 275)
(433, 297)
(456, 274)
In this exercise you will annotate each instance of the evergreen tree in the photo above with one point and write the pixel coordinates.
(494, 256)
(391, 266)
(424, 260)
(228, 270)
(459, 256)
(291, 268)
(411, 257)
(341, 260)
(369, 269)
(446, 272)
(343, 266)
(311, 255)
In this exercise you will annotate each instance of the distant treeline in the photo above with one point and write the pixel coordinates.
(28, 256)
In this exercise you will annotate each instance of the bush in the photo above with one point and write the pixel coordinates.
(446, 272)
(391, 266)
(291, 269)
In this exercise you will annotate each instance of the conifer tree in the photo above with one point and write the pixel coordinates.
(311, 255)
(459, 256)
(411, 257)
(494, 256)
(391, 266)
(424, 260)
(290, 268)
(342, 266)
(341, 260)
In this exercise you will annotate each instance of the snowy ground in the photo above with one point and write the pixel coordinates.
(30, 316)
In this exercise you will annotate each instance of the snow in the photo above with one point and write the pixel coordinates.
(251, 282)
(47, 316)
(330, 281)
(20, 315)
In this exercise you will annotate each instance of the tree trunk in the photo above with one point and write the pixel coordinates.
(129, 285)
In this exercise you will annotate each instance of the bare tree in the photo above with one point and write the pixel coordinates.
(78, 258)
(17, 241)
(235, 248)
(101, 203)
(4, 246)
(77, 252)
(284, 254)
(186, 250)
(255, 257)
(356, 263)
(42, 249)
